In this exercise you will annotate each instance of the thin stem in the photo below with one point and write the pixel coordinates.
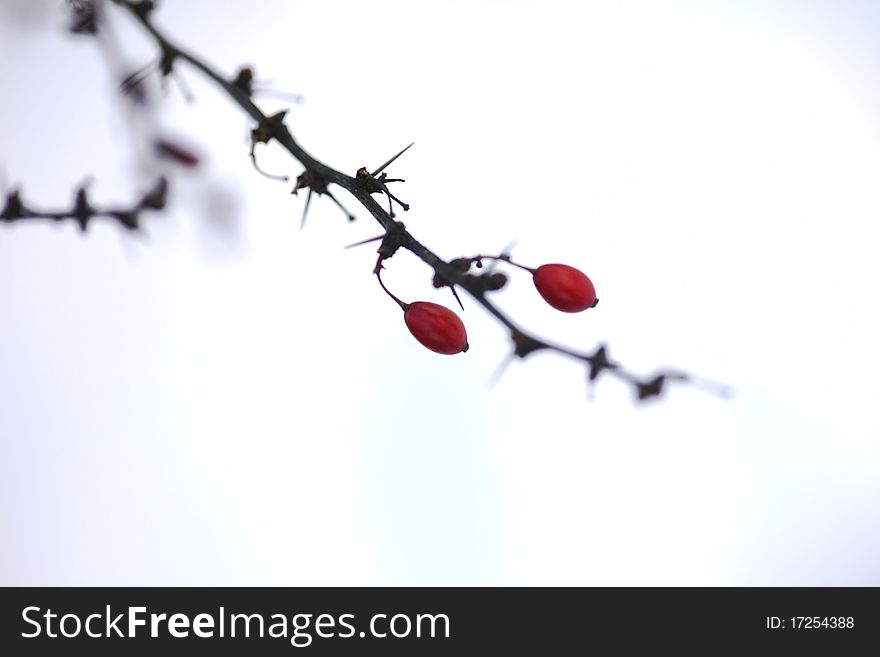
(502, 258)
(378, 270)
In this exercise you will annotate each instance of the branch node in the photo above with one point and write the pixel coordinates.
(14, 208)
(157, 197)
(244, 80)
(523, 344)
(393, 240)
(373, 185)
(142, 8)
(85, 17)
(314, 182)
(650, 388)
(599, 362)
(82, 210)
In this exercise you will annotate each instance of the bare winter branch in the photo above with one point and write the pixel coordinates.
(318, 178)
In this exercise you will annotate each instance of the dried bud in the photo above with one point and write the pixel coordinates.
(14, 207)
(157, 197)
(493, 282)
(244, 80)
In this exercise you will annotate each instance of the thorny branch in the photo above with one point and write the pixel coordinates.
(82, 211)
(317, 178)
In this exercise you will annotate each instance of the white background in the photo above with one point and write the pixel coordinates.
(227, 400)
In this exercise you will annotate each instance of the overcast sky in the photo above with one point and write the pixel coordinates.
(227, 400)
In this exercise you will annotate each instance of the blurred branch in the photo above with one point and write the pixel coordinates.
(82, 211)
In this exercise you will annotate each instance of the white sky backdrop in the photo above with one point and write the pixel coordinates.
(230, 401)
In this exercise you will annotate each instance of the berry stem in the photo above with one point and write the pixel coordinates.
(378, 271)
(502, 258)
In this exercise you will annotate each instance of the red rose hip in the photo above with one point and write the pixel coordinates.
(436, 327)
(565, 288)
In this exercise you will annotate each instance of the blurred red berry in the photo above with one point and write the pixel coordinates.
(180, 155)
(565, 288)
(436, 327)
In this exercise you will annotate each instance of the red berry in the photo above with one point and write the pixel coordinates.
(565, 288)
(171, 151)
(436, 327)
